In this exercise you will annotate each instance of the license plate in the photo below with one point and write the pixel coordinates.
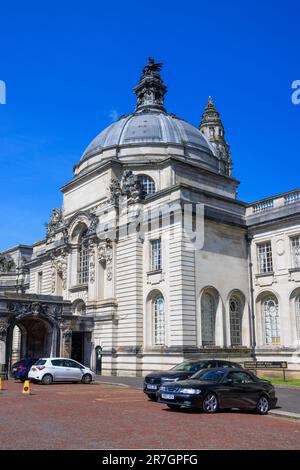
(152, 387)
(167, 396)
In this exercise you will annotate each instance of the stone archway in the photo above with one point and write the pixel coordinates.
(31, 337)
(37, 339)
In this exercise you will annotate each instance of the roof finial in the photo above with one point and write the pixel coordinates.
(151, 90)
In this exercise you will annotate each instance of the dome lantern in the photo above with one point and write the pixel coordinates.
(150, 90)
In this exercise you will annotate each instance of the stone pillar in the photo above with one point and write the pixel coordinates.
(66, 340)
(16, 345)
(3, 338)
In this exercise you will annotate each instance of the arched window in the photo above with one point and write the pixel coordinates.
(235, 312)
(159, 320)
(271, 320)
(147, 184)
(83, 271)
(208, 318)
(298, 317)
(79, 307)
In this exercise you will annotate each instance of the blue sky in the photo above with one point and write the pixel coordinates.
(70, 66)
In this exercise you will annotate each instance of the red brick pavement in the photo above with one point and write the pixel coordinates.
(75, 416)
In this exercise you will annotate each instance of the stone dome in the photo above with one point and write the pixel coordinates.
(148, 128)
(150, 133)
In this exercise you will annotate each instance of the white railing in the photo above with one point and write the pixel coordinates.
(263, 206)
(292, 197)
(274, 203)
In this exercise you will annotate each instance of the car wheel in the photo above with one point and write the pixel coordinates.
(262, 406)
(152, 397)
(47, 379)
(86, 379)
(173, 407)
(210, 403)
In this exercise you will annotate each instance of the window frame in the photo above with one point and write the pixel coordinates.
(159, 321)
(235, 320)
(265, 257)
(211, 342)
(83, 261)
(295, 251)
(271, 322)
(147, 183)
(155, 258)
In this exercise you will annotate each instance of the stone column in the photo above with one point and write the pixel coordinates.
(66, 339)
(3, 338)
(16, 345)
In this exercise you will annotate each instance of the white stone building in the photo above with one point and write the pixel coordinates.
(122, 284)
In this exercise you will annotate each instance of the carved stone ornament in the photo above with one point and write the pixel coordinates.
(67, 334)
(105, 255)
(114, 191)
(59, 265)
(56, 222)
(93, 224)
(92, 260)
(129, 186)
(36, 309)
(3, 328)
(7, 264)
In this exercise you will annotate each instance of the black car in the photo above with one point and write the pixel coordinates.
(215, 389)
(181, 371)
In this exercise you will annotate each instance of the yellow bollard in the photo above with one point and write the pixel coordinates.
(26, 388)
(1, 386)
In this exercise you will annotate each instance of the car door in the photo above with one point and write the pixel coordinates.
(59, 370)
(74, 370)
(241, 392)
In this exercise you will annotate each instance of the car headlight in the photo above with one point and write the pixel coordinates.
(190, 391)
(169, 379)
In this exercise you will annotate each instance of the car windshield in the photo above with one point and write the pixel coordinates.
(209, 375)
(188, 366)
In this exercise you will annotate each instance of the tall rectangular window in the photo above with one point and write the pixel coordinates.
(264, 257)
(83, 275)
(156, 255)
(40, 283)
(295, 243)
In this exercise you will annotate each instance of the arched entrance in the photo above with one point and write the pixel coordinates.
(31, 337)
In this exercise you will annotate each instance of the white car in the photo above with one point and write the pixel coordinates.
(59, 369)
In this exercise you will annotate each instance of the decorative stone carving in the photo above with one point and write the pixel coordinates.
(67, 334)
(56, 221)
(93, 224)
(105, 255)
(59, 265)
(92, 260)
(21, 309)
(66, 328)
(114, 191)
(129, 186)
(3, 328)
(7, 264)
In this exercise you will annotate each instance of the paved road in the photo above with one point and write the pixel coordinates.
(288, 397)
(99, 416)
